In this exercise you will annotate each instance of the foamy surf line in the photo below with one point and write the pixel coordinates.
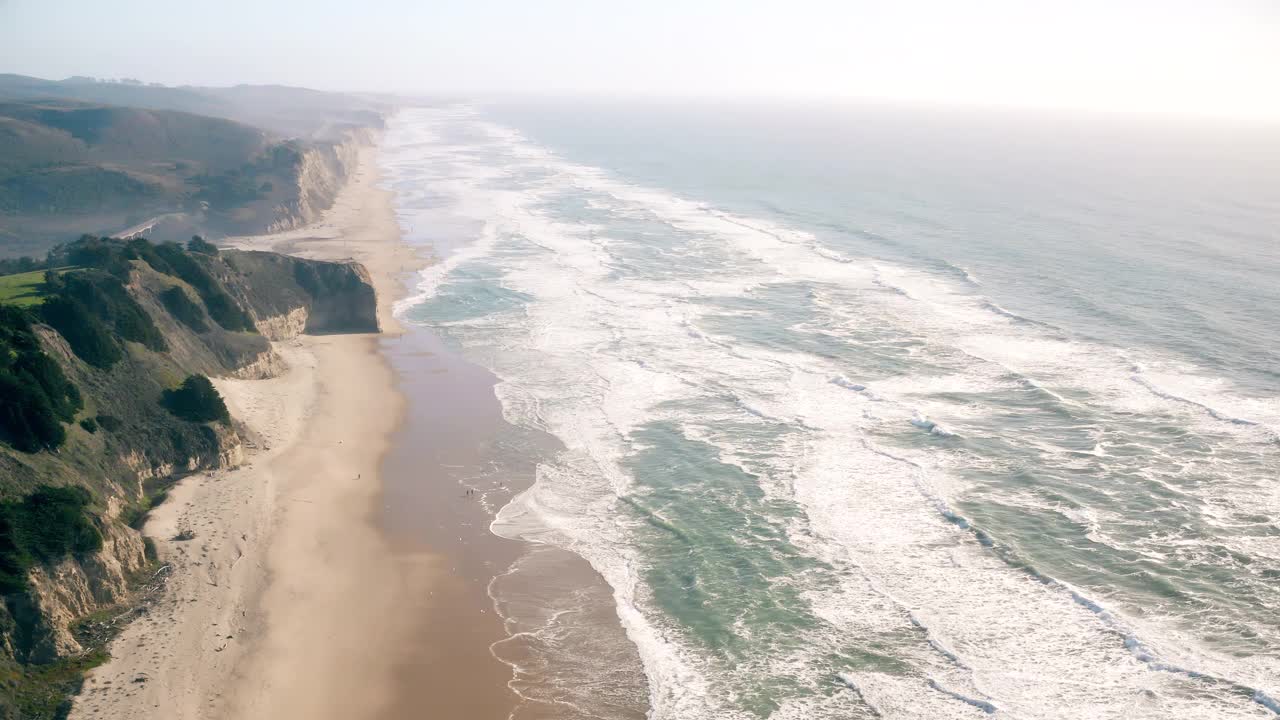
(597, 352)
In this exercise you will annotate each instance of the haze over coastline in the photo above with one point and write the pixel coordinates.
(1144, 56)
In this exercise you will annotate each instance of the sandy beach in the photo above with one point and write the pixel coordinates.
(288, 601)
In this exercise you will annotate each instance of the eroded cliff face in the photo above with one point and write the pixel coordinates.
(283, 326)
(298, 180)
(268, 364)
(319, 176)
(224, 451)
(58, 595)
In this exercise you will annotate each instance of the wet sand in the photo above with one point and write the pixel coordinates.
(447, 436)
(454, 462)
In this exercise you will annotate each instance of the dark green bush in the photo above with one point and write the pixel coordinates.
(93, 252)
(26, 419)
(227, 312)
(88, 337)
(13, 266)
(45, 526)
(185, 267)
(196, 400)
(35, 396)
(181, 306)
(44, 372)
(110, 423)
(142, 249)
(202, 246)
(89, 424)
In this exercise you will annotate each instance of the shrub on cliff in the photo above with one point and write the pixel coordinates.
(181, 306)
(202, 246)
(196, 400)
(89, 251)
(45, 526)
(35, 397)
(227, 312)
(27, 422)
(14, 266)
(85, 333)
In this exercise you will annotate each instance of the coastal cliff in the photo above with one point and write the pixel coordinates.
(117, 328)
(289, 295)
(319, 173)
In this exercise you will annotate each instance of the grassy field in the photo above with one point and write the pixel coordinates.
(23, 288)
(27, 289)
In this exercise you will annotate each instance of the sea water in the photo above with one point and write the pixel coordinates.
(872, 412)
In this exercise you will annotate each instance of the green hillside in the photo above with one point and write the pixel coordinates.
(24, 289)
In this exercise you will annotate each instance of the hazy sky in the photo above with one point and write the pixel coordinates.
(1217, 57)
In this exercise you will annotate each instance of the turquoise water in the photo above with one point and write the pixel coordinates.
(879, 413)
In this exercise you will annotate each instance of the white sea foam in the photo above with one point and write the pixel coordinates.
(597, 354)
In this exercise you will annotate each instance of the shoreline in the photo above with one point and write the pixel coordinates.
(439, 453)
(523, 615)
(347, 569)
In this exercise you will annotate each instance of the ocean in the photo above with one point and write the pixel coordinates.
(868, 412)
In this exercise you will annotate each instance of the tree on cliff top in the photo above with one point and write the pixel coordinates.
(200, 245)
(196, 400)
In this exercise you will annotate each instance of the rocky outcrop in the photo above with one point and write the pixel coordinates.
(268, 364)
(287, 325)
